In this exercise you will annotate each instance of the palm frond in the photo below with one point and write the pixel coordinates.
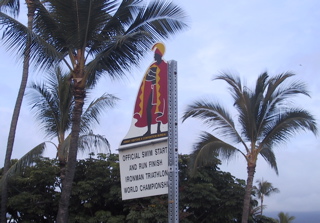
(243, 102)
(270, 158)
(125, 43)
(44, 108)
(94, 142)
(276, 95)
(15, 35)
(63, 95)
(87, 142)
(116, 23)
(235, 85)
(260, 107)
(64, 146)
(118, 56)
(255, 211)
(288, 123)
(213, 115)
(24, 161)
(208, 147)
(95, 108)
(275, 82)
(261, 83)
(278, 91)
(160, 19)
(12, 6)
(265, 188)
(125, 13)
(52, 103)
(285, 217)
(72, 25)
(46, 26)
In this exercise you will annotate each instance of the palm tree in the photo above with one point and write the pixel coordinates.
(285, 218)
(14, 7)
(264, 189)
(52, 103)
(26, 160)
(93, 38)
(264, 120)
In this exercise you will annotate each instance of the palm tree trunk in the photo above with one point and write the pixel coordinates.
(62, 160)
(16, 112)
(79, 95)
(247, 197)
(261, 204)
(62, 166)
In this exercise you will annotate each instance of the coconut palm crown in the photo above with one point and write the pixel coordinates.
(264, 189)
(285, 217)
(264, 119)
(52, 103)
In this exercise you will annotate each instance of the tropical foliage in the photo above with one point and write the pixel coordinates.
(209, 195)
(32, 195)
(265, 119)
(52, 103)
(262, 219)
(19, 165)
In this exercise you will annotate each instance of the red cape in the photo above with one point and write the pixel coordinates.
(158, 90)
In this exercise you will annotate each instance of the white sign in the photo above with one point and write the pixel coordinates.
(144, 170)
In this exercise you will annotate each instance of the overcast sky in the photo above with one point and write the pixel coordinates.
(244, 37)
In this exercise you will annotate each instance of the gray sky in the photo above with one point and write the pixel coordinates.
(244, 37)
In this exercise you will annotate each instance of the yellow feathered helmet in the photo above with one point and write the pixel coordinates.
(159, 48)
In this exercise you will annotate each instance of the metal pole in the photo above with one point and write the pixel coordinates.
(173, 193)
